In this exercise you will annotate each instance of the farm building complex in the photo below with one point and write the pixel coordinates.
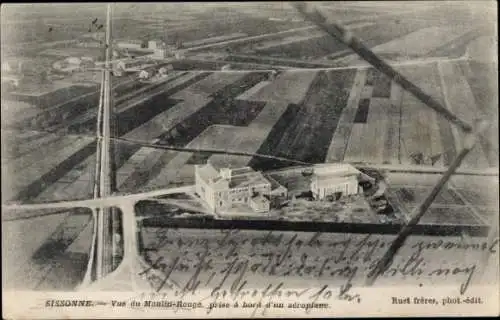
(224, 188)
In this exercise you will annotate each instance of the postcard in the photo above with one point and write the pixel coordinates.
(249, 159)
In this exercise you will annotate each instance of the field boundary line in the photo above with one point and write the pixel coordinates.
(444, 89)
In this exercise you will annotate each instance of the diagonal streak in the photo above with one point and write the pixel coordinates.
(338, 32)
(420, 210)
(345, 36)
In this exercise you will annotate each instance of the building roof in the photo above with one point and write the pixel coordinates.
(243, 170)
(207, 172)
(260, 200)
(239, 178)
(247, 179)
(335, 170)
(274, 184)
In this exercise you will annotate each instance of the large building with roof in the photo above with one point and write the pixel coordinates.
(224, 188)
(334, 180)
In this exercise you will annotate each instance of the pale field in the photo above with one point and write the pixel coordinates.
(465, 199)
(484, 49)
(77, 182)
(366, 142)
(340, 140)
(289, 86)
(211, 84)
(391, 143)
(287, 40)
(250, 92)
(38, 90)
(20, 270)
(421, 42)
(249, 139)
(214, 137)
(420, 131)
(13, 146)
(460, 101)
(377, 140)
(214, 39)
(21, 173)
(17, 111)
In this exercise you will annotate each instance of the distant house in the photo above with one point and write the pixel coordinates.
(223, 188)
(74, 60)
(334, 180)
(129, 44)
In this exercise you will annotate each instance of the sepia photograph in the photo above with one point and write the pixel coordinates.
(249, 159)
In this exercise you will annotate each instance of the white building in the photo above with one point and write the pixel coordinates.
(130, 44)
(334, 180)
(6, 67)
(223, 188)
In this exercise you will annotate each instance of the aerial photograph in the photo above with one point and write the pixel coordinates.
(225, 149)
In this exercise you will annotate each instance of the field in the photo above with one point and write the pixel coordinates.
(137, 165)
(419, 127)
(414, 45)
(341, 115)
(461, 101)
(74, 52)
(213, 39)
(483, 81)
(54, 250)
(60, 174)
(282, 62)
(402, 129)
(372, 33)
(305, 130)
(222, 109)
(465, 200)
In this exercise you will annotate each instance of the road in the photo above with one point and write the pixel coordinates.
(117, 200)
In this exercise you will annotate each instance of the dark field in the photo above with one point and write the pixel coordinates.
(56, 254)
(382, 87)
(221, 110)
(304, 131)
(362, 113)
(313, 48)
(269, 60)
(55, 97)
